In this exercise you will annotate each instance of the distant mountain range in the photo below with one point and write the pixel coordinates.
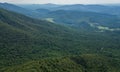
(108, 9)
(115, 10)
(30, 9)
(37, 6)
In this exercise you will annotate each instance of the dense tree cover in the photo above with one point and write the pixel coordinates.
(82, 63)
(23, 39)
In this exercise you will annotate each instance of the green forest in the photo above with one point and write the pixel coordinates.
(35, 45)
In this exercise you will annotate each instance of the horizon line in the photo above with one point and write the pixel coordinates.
(67, 3)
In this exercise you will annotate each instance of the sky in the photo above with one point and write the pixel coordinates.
(62, 1)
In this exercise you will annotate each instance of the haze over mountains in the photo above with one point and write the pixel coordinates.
(115, 10)
(59, 38)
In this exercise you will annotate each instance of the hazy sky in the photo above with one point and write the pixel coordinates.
(62, 1)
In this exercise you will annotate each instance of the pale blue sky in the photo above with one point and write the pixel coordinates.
(62, 1)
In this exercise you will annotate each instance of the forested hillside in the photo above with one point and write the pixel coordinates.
(22, 36)
(29, 45)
